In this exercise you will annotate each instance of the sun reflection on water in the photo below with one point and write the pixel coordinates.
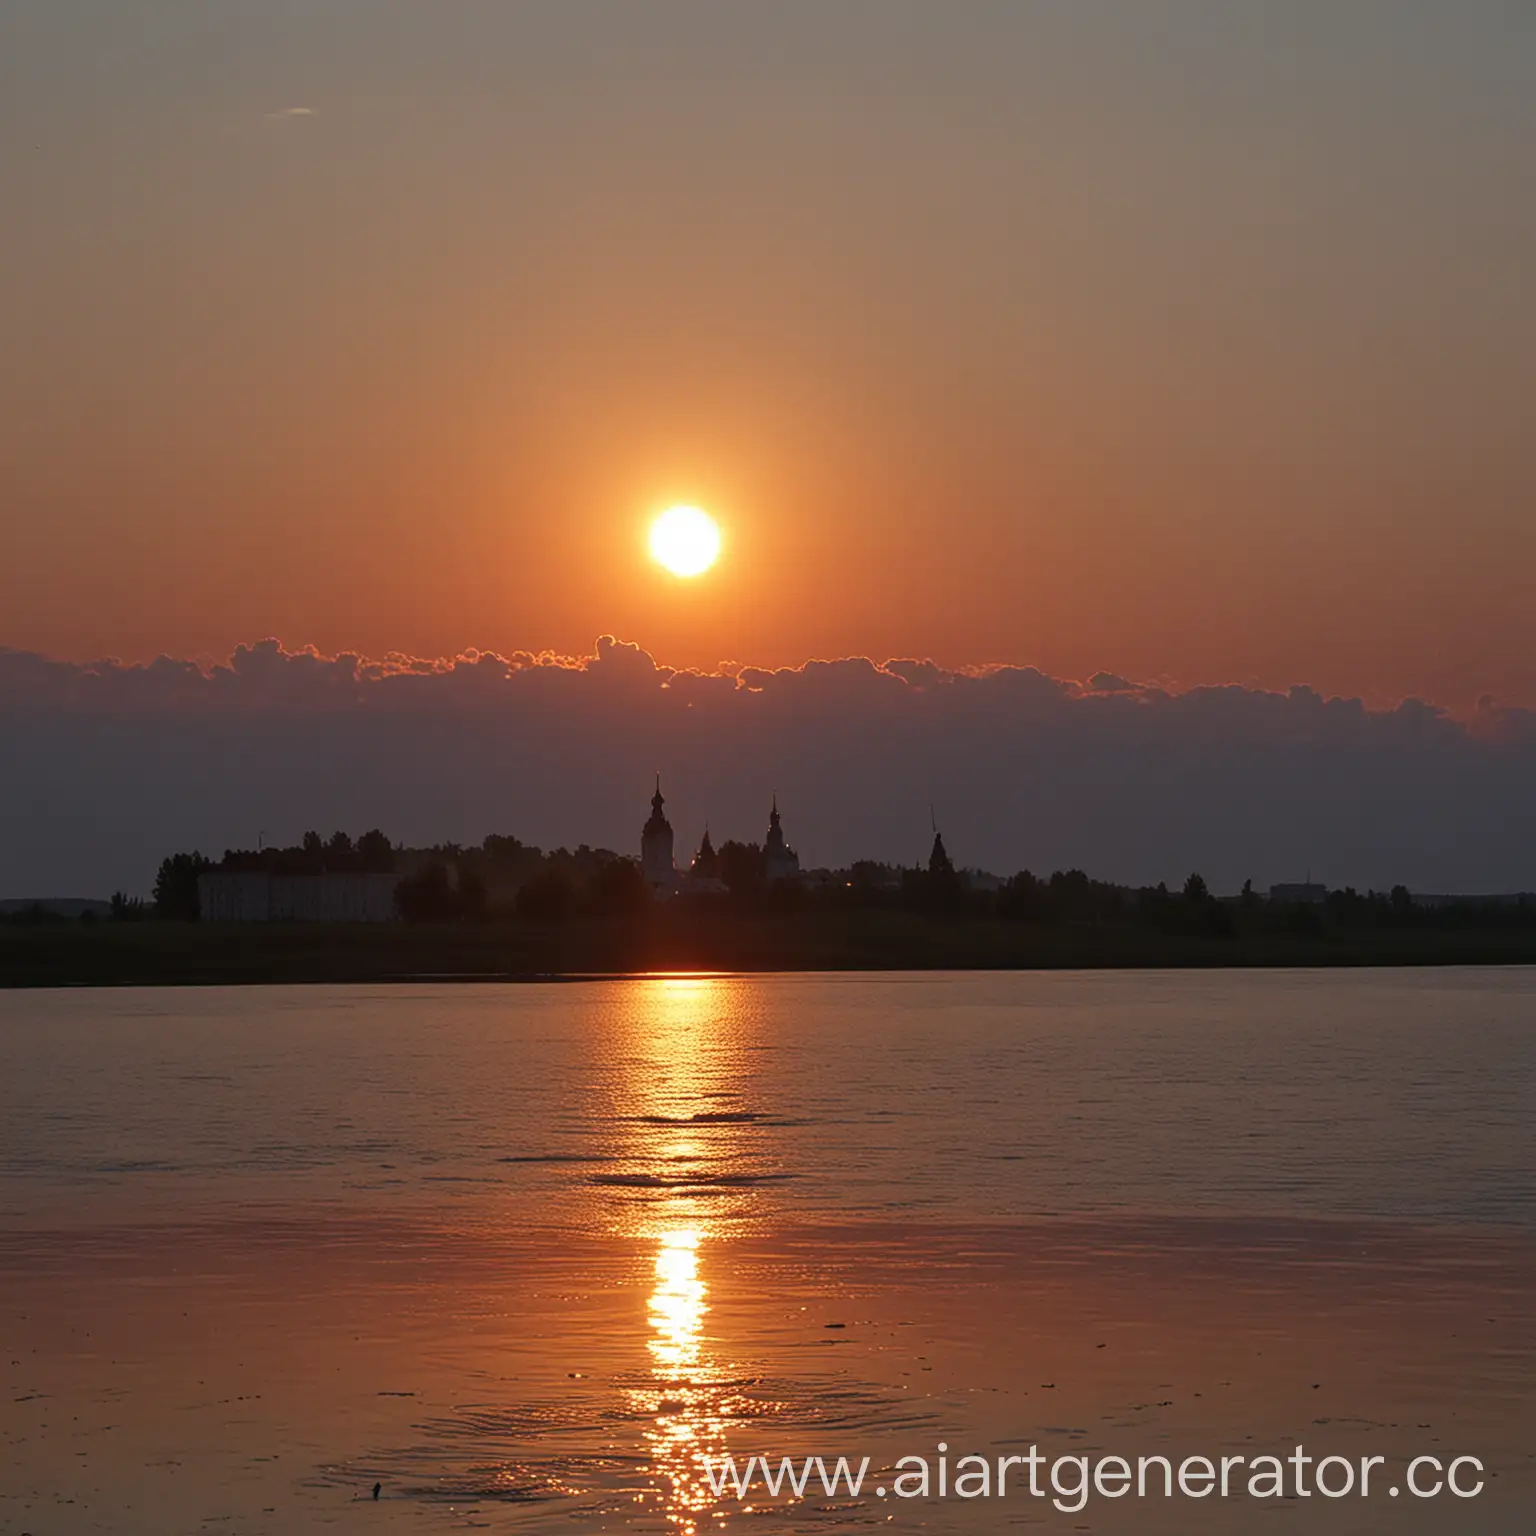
(685, 1141)
(683, 1401)
(677, 1305)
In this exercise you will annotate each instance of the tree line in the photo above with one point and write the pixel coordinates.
(504, 877)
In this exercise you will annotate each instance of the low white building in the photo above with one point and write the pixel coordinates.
(232, 896)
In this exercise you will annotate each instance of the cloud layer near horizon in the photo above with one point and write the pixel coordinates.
(104, 766)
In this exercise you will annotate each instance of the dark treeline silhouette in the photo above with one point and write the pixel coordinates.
(505, 879)
(175, 894)
(175, 891)
(372, 853)
(507, 910)
(444, 883)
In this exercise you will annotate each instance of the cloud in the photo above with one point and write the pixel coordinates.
(1108, 682)
(104, 766)
(284, 113)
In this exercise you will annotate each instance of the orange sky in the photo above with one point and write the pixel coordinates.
(1197, 353)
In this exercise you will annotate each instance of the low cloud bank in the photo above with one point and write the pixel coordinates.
(104, 767)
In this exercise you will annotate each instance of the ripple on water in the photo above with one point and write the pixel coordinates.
(687, 1181)
(539, 1452)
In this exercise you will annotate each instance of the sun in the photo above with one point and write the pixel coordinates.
(685, 540)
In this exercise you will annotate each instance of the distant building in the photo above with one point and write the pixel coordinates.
(252, 896)
(706, 862)
(703, 877)
(1301, 894)
(780, 861)
(938, 857)
(656, 861)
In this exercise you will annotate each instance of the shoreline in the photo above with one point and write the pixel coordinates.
(69, 955)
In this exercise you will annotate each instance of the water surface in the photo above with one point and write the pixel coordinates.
(520, 1253)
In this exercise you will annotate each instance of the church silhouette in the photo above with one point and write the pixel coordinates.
(658, 861)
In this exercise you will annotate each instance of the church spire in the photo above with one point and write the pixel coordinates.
(938, 859)
(780, 861)
(706, 862)
(658, 822)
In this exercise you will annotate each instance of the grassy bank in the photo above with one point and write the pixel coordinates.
(189, 954)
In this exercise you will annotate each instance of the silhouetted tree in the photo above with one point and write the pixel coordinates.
(313, 845)
(375, 852)
(550, 897)
(1303, 919)
(1025, 899)
(499, 847)
(427, 896)
(741, 867)
(472, 895)
(620, 889)
(176, 886)
(126, 908)
(867, 878)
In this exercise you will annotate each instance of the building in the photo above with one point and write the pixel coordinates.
(253, 896)
(656, 861)
(939, 864)
(780, 861)
(704, 877)
(706, 862)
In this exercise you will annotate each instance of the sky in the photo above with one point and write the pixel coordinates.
(1155, 380)
(1190, 343)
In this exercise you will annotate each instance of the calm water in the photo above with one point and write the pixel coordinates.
(520, 1254)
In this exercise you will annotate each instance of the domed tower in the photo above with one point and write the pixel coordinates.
(780, 861)
(656, 848)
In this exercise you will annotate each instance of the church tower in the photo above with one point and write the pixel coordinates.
(656, 848)
(780, 861)
(938, 859)
(706, 862)
(939, 866)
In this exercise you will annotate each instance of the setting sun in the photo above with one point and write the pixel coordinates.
(685, 540)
